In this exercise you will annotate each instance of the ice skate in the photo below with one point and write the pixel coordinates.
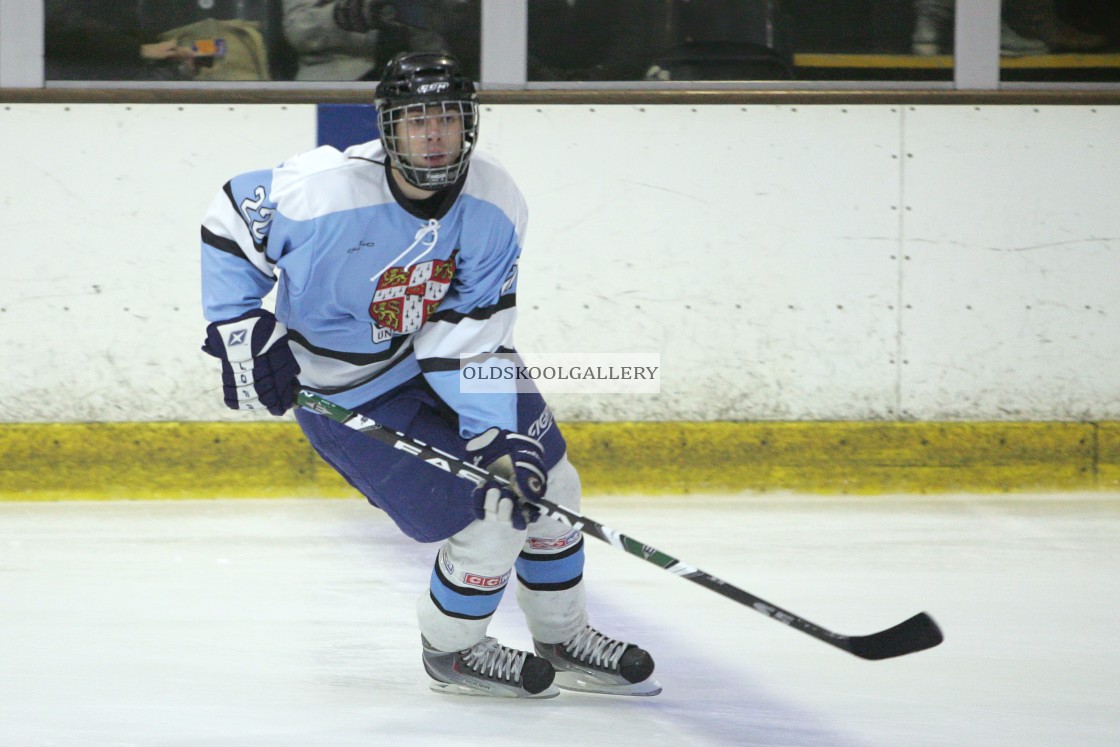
(491, 669)
(591, 662)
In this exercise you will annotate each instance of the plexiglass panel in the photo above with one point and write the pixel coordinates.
(903, 41)
(1061, 41)
(582, 40)
(222, 40)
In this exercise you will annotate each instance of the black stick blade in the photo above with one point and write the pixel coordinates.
(916, 634)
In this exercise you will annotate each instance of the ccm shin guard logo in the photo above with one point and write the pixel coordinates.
(485, 582)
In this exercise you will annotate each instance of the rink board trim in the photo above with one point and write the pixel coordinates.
(54, 461)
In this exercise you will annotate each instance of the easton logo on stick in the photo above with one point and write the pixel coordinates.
(447, 463)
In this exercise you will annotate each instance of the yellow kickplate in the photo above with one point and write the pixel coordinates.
(833, 457)
(51, 461)
(1108, 464)
(160, 460)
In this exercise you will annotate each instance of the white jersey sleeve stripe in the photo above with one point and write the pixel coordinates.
(223, 227)
(466, 337)
(332, 371)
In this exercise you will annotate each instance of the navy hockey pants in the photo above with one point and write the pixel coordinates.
(427, 503)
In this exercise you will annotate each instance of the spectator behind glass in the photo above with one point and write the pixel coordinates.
(102, 40)
(1027, 27)
(350, 39)
(121, 39)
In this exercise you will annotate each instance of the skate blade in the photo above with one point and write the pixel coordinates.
(578, 682)
(452, 688)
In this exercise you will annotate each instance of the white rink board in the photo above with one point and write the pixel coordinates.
(1012, 285)
(101, 211)
(702, 255)
(809, 262)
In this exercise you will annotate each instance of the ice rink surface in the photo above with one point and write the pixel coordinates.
(291, 623)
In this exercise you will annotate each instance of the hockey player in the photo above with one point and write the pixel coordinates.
(399, 256)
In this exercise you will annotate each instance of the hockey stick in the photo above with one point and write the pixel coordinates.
(915, 634)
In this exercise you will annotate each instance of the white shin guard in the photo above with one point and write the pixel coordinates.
(475, 563)
(555, 615)
(474, 566)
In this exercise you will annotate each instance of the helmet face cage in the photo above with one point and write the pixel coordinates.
(430, 142)
(427, 112)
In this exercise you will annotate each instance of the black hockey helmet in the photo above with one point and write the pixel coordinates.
(427, 84)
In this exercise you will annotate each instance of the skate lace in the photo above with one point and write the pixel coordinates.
(494, 660)
(591, 646)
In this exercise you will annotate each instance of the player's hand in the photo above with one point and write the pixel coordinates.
(258, 369)
(496, 502)
(515, 457)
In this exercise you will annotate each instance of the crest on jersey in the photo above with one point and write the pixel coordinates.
(406, 296)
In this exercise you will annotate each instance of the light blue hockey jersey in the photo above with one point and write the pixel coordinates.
(371, 294)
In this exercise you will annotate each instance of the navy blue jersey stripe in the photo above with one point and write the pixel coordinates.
(507, 301)
(228, 189)
(428, 365)
(229, 246)
(357, 359)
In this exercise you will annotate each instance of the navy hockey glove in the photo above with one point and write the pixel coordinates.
(515, 457)
(258, 369)
(520, 460)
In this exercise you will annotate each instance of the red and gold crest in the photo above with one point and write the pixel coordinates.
(407, 296)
